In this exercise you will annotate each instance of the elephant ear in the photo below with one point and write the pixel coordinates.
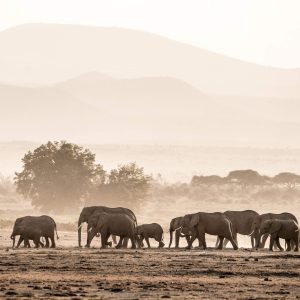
(194, 220)
(275, 226)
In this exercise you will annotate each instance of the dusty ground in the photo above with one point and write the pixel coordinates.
(148, 274)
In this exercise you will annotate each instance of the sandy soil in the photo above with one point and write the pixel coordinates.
(148, 274)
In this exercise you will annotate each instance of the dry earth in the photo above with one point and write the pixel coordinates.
(147, 274)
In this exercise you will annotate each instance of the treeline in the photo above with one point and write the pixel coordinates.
(61, 177)
(249, 178)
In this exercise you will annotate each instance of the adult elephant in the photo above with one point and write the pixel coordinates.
(44, 224)
(258, 220)
(241, 224)
(175, 226)
(87, 212)
(119, 224)
(211, 223)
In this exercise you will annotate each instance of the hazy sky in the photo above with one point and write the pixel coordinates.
(262, 31)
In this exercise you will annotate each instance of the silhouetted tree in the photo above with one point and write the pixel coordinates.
(58, 175)
(288, 179)
(246, 177)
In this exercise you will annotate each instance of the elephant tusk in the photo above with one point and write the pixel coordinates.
(79, 226)
(250, 234)
(90, 229)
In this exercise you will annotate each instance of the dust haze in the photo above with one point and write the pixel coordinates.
(188, 117)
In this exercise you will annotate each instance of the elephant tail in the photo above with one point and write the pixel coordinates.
(230, 227)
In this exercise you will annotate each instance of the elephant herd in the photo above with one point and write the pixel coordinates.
(122, 222)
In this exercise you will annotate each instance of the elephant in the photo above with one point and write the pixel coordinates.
(258, 220)
(284, 229)
(27, 232)
(175, 225)
(92, 222)
(241, 224)
(120, 224)
(211, 223)
(147, 231)
(30, 226)
(88, 211)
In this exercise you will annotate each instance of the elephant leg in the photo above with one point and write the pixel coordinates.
(36, 242)
(234, 235)
(277, 243)
(133, 245)
(141, 241)
(27, 244)
(125, 243)
(231, 240)
(296, 242)
(120, 242)
(53, 245)
(177, 238)
(114, 239)
(272, 240)
(263, 241)
(199, 243)
(226, 241)
(104, 238)
(47, 244)
(217, 242)
(21, 239)
(252, 241)
(147, 241)
(221, 239)
(288, 243)
(195, 235)
(203, 241)
(159, 239)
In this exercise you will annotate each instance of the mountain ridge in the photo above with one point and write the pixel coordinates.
(47, 53)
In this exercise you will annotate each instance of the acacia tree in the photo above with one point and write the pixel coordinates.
(58, 175)
(290, 180)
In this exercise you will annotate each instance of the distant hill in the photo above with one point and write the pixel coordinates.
(43, 54)
(94, 109)
(144, 94)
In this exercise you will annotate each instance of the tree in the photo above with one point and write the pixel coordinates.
(126, 185)
(58, 175)
(288, 179)
(246, 177)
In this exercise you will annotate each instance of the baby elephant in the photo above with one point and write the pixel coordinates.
(284, 229)
(147, 231)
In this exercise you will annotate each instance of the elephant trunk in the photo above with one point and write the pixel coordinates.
(257, 236)
(171, 237)
(13, 237)
(79, 231)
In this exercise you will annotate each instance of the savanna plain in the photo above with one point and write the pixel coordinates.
(148, 274)
(71, 272)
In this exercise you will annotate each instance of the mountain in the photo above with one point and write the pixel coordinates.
(93, 109)
(144, 94)
(47, 53)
